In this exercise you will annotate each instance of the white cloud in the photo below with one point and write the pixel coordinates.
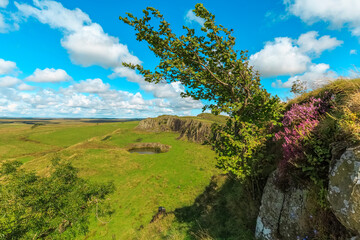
(129, 74)
(353, 52)
(309, 44)
(160, 90)
(91, 46)
(7, 67)
(54, 14)
(92, 86)
(280, 57)
(49, 75)
(25, 87)
(286, 56)
(164, 90)
(9, 81)
(316, 76)
(337, 13)
(8, 22)
(4, 3)
(85, 41)
(88, 44)
(191, 17)
(65, 101)
(3, 24)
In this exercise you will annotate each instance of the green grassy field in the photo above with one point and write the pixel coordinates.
(143, 182)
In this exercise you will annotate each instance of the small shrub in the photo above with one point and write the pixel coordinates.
(349, 121)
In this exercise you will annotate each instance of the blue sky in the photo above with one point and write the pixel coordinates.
(64, 58)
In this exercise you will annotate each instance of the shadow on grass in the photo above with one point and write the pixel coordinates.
(225, 210)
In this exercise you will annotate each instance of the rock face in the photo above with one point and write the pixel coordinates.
(344, 189)
(193, 130)
(282, 215)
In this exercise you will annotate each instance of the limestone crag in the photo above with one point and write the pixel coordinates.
(191, 129)
(344, 189)
(282, 215)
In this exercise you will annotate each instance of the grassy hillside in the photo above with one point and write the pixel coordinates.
(144, 182)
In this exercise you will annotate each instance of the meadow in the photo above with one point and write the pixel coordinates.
(143, 182)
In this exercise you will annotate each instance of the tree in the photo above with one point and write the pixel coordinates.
(54, 207)
(212, 70)
(298, 87)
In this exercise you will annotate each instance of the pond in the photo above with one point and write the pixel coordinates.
(145, 150)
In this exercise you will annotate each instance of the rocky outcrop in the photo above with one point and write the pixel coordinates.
(190, 129)
(344, 189)
(282, 215)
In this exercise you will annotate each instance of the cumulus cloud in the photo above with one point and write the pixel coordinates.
(4, 3)
(9, 81)
(25, 87)
(85, 41)
(309, 44)
(353, 52)
(91, 46)
(92, 86)
(337, 13)
(49, 75)
(69, 101)
(160, 90)
(280, 57)
(191, 17)
(7, 67)
(286, 56)
(87, 44)
(316, 76)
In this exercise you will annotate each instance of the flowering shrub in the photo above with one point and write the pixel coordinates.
(299, 123)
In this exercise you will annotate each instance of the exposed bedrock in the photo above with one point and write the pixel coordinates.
(282, 215)
(192, 130)
(344, 189)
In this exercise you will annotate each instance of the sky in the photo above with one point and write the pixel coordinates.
(64, 58)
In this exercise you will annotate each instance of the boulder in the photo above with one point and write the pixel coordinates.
(344, 189)
(283, 215)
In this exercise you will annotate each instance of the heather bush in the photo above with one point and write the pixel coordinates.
(302, 147)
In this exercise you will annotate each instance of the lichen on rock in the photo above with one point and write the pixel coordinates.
(283, 215)
(344, 189)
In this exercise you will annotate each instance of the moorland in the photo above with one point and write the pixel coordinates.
(143, 181)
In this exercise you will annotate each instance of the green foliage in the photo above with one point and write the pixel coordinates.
(237, 153)
(212, 70)
(57, 206)
(318, 156)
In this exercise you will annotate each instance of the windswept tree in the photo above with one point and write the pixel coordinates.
(211, 69)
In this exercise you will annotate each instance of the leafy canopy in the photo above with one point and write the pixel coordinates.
(54, 207)
(212, 70)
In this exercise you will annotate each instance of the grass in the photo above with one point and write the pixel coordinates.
(341, 87)
(144, 182)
